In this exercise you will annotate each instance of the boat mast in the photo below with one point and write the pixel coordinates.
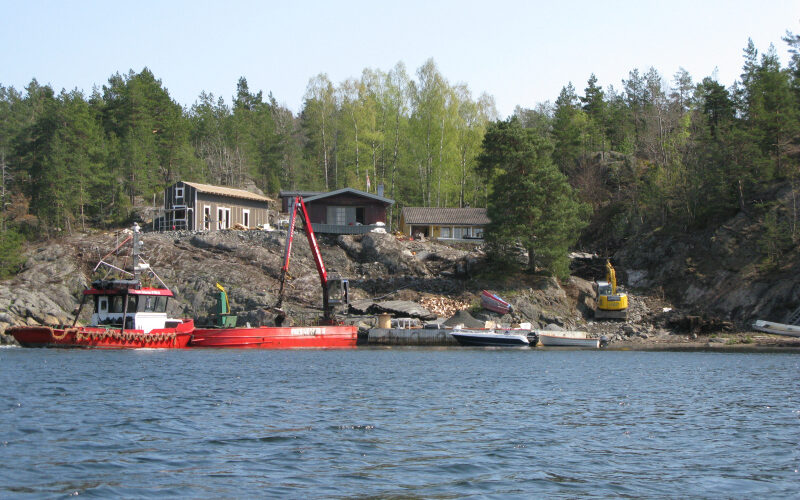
(137, 268)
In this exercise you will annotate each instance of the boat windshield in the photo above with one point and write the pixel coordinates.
(152, 303)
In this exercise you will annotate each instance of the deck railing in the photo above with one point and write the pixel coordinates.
(337, 229)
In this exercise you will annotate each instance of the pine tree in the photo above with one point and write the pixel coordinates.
(531, 202)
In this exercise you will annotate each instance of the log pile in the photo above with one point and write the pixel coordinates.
(443, 307)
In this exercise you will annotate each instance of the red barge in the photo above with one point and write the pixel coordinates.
(126, 313)
(275, 337)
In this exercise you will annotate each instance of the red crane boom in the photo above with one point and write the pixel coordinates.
(326, 281)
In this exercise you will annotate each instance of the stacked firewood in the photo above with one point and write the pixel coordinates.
(443, 307)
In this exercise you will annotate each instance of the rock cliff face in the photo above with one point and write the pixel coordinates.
(722, 273)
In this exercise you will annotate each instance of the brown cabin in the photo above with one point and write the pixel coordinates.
(202, 207)
(344, 211)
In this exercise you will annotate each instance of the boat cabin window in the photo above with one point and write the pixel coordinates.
(116, 304)
(152, 303)
(132, 299)
(102, 304)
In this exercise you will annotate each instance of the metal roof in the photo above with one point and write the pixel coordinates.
(434, 215)
(227, 191)
(356, 192)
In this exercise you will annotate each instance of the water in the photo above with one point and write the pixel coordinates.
(418, 423)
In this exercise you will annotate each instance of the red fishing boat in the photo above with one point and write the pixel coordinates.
(126, 314)
(329, 334)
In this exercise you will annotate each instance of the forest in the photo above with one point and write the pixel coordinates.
(653, 152)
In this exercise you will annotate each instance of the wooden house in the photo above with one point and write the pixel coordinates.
(202, 207)
(344, 211)
(444, 223)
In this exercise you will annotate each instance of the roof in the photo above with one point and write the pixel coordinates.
(304, 194)
(356, 192)
(434, 215)
(227, 191)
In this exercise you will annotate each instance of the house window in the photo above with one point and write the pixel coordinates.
(178, 193)
(207, 217)
(180, 215)
(458, 232)
(340, 216)
(246, 218)
(360, 215)
(223, 218)
(445, 232)
(477, 232)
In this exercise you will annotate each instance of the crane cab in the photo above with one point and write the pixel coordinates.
(338, 290)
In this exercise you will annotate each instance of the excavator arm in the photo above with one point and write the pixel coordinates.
(611, 277)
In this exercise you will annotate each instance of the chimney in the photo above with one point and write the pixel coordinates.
(380, 189)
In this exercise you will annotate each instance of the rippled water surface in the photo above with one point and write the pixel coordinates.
(426, 423)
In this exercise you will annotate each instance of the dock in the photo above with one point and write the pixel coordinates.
(411, 336)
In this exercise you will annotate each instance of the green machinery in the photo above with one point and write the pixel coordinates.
(224, 318)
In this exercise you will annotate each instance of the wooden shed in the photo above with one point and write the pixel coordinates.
(202, 207)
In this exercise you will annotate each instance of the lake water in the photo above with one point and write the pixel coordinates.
(416, 423)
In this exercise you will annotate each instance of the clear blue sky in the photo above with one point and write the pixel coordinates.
(520, 52)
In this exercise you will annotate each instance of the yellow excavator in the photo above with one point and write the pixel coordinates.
(610, 304)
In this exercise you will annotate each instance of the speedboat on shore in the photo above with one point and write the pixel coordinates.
(492, 337)
(127, 313)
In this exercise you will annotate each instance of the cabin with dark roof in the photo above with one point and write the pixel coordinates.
(203, 207)
(444, 223)
(343, 211)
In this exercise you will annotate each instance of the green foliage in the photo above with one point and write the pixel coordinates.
(11, 258)
(531, 203)
(775, 239)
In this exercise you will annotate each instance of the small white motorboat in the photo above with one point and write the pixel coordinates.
(513, 337)
(568, 339)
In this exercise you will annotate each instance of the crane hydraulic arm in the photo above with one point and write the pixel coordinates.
(327, 281)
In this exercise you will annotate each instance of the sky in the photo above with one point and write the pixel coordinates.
(520, 52)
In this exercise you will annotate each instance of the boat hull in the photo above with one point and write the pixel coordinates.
(95, 337)
(777, 328)
(270, 337)
(560, 341)
(494, 303)
(482, 339)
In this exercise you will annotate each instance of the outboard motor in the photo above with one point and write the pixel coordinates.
(604, 341)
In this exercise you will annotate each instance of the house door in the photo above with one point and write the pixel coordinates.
(223, 218)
